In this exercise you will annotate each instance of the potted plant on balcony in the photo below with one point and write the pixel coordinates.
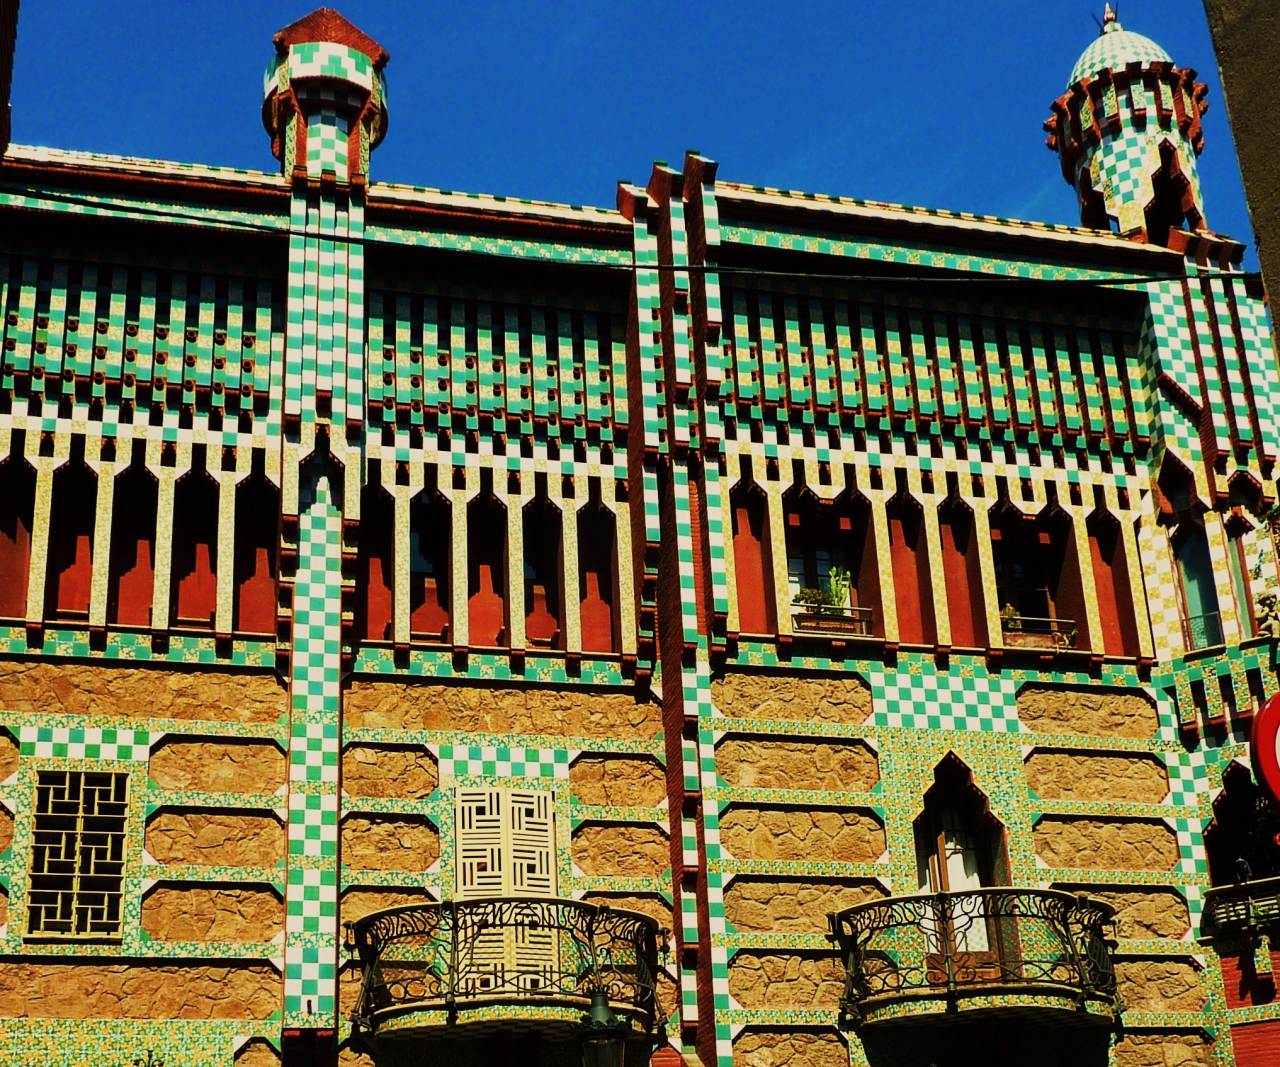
(827, 610)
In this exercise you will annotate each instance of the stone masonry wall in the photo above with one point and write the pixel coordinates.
(1121, 844)
(389, 771)
(389, 842)
(621, 781)
(218, 766)
(1088, 776)
(779, 980)
(790, 1048)
(797, 906)
(219, 839)
(203, 913)
(783, 764)
(793, 834)
(1094, 711)
(808, 699)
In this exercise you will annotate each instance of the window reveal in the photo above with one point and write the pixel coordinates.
(77, 854)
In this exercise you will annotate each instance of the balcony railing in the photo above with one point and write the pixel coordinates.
(1242, 907)
(829, 619)
(1202, 631)
(426, 966)
(951, 951)
(1028, 631)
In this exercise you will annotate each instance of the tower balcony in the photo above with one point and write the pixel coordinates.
(1027, 955)
(1245, 907)
(460, 973)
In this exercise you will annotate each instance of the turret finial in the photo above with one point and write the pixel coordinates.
(1108, 18)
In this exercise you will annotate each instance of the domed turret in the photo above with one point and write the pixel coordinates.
(1128, 133)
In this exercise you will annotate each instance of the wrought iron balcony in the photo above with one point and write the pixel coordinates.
(828, 619)
(996, 949)
(1243, 907)
(432, 971)
(1028, 631)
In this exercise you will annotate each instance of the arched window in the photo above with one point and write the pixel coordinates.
(194, 590)
(962, 571)
(597, 585)
(18, 491)
(1112, 585)
(543, 596)
(69, 581)
(377, 575)
(912, 586)
(257, 541)
(429, 559)
(131, 578)
(752, 560)
(1201, 620)
(831, 554)
(1037, 577)
(486, 571)
(960, 849)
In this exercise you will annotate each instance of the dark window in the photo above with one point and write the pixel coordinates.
(77, 855)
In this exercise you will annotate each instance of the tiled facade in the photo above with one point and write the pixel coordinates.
(422, 384)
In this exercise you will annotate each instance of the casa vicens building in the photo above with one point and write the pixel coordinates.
(733, 626)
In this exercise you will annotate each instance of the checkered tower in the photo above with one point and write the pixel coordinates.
(1128, 132)
(325, 109)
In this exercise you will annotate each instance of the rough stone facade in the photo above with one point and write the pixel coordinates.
(769, 764)
(790, 1048)
(218, 766)
(1164, 1050)
(792, 905)
(793, 834)
(620, 781)
(389, 843)
(1160, 985)
(774, 980)
(215, 839)
(1146, 913)
(141, 693)
(1120, 844)
(840, 700)
(198, 913)
(1096, 712)
(622, 851)
(389, 771)
(50, 990)
(1085, 776)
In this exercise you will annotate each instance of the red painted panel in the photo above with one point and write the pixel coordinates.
(257, 539)
(753, 569)
(961, 571)
(131, 575)
(909, 557)
(1242, 984)
(195, 551)
(1111, 579)
(1256, 1044)
(70, 559)
(429, 550)
(542, 595)
(375, 567)
(487, 572)
(595, 580)
(17, 490)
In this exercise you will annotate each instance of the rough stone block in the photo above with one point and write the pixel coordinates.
(140, 693)
(1094, 776)
(358, 902)
(1163, 1050)
(492, 709)
(759, 833)
(8, 755)
(257, 1053)
(215, 839)
(790, 1048)
(620, 781)
(792, 905)
(761, 763)
(406, 771)
(621, 851)
(218, 766)
(837, 699)
(1095, 711)
(1143, 913)
(389, 842)
(780, 980)
(1102, 844)
(47, 990)
(209, 913)
(1160, 985)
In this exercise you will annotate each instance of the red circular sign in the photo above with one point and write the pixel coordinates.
(1264, 747)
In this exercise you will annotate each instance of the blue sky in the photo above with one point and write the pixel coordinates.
(936, 102)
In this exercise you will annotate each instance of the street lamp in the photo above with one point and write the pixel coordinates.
(603, 1035)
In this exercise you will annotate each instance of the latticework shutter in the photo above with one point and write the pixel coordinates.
(505, 847)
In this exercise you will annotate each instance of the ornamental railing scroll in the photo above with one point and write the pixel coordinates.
(952, 946)
(452, 955)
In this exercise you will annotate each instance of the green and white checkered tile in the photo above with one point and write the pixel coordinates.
(503, 761)
(965, 697)
(88, 742)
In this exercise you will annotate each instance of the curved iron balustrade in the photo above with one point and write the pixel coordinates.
(996, 941)
(460, 954)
